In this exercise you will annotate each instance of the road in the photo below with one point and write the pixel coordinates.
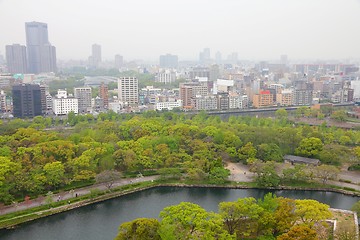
(70, 194)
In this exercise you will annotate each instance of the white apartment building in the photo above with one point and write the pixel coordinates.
(128, 88)
(83, 94)
(166, 76)
(3, 107)
(62, 104)
(168, 105)
(238, 101)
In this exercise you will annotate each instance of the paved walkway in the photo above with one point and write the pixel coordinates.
(70, 194)
(240, 173)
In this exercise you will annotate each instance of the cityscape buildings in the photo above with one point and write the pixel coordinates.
(95, 58)
(16, 58)
(169, 61)
(128, 88)
(83, 94)
(26, 100)
(41, 54)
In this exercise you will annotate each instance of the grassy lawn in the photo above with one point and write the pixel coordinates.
(345, 225)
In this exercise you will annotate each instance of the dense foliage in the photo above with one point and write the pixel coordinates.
(246, 218)
(46, 154)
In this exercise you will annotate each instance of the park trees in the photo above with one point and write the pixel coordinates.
(190, 221)
(309, 147)
(311, 211)
(54, 173)
(141, 228)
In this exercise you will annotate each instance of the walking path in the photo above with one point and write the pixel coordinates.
(240, 173)
(70, 194)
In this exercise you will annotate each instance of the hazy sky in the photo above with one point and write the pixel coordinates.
(145, 29)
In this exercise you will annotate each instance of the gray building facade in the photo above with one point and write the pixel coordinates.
(16, 58)
(41, 54)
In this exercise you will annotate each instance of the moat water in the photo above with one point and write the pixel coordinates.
(100, 221)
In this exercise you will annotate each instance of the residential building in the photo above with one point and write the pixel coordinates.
(63, 105)
(192, 89)
(166, 76)
(169, 61)
(204, 102)
(41, 54)
(237, 101)
(285, 98)
(303, 97)
(128, 88)
(169, 105)
(3, 105)
(104, 95)
(26, 100)
(222, 101)
(83, 94)
(16, 58)
(199, 72)
(263, 99)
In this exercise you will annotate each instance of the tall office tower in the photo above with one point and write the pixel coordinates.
(83, 94)
(204, 56)
(119, 61)
(2, 60)
(26, 100)
(95, 57)
(128, 90)
(233, 58)
(104, 94)
(16, 58)
(218, 57)
(41, 54)
(169, 61)
(284, 59)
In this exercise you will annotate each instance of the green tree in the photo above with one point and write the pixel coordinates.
(54, 173)
(339, 116)
(141, 228)
(299, 233)
(266, 175)
(311, 211)
(190, 221)
(281, 114)
(269, 152)
(309, 147)
(218, 175)
(247, 153)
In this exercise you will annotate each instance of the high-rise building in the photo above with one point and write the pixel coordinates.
(26, 100)
(169, 61)
(41, 54)
(204, 56)
(95, 58)
(104, 94)
(218, 57)
(16, 58)
(119, 61)
(83, 94)
(128, 90)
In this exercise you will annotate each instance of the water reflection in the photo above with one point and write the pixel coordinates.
(101, 220)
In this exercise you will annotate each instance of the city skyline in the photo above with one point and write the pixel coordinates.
(254, 29)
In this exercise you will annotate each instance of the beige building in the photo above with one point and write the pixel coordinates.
(263, 99)
(128, 90)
